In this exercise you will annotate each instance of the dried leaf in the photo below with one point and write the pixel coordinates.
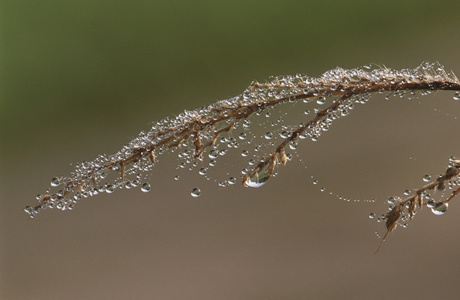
(392, 222)
(412, 207)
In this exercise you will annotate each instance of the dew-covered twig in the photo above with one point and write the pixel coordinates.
(404, 209)
(200, 130)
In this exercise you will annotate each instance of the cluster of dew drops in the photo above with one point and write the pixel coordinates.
(252, 147)
(432, 199)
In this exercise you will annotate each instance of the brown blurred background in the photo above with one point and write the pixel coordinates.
(80, 78)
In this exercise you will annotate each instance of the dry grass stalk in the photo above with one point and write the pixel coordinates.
(199, 130)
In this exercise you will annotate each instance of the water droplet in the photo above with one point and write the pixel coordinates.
(372, 216)
(242, 136)
(232, 180)
(244, 153)
(391, 200)
(212, 162)
(307, 112)
(315, 181)
(268, 135)
(145, 187)
(284, 134)
(293, 145)
(431, 204)
(196, 192)
(177, 177)
(55, 181)
(323, 189)
(109, 189)
(259, 178)
(406, 192)
(321, 100)
(213, 154)
(427, 178)
(457, 96)
(202, 171)
(440, 208)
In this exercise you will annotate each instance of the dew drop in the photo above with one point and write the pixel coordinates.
(284, 134)
(213, 154)
(321, 100)
(427, 178)
(372, 216)
(196, 192)
(202, 171)
(55, 181)
(177, 177)
(244, 153)
(440, 208)
(431, 204)
(242, 136)
(109, 189)
(259, 178)
(145, 187)
(232, 180)
(268, 135)
(212, 162)
(457, 96)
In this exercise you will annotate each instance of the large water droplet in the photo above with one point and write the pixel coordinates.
(145, 187)
(196, 192)
(258, 178)
(427, 178)
(268, 135)
(440, 208)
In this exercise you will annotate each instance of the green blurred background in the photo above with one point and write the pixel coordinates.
(79, 78)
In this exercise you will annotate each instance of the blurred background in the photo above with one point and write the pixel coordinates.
(80, 78)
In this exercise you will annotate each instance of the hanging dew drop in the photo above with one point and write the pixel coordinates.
(259, 178)
(196, 192)
(145, 187)
(440, 208)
